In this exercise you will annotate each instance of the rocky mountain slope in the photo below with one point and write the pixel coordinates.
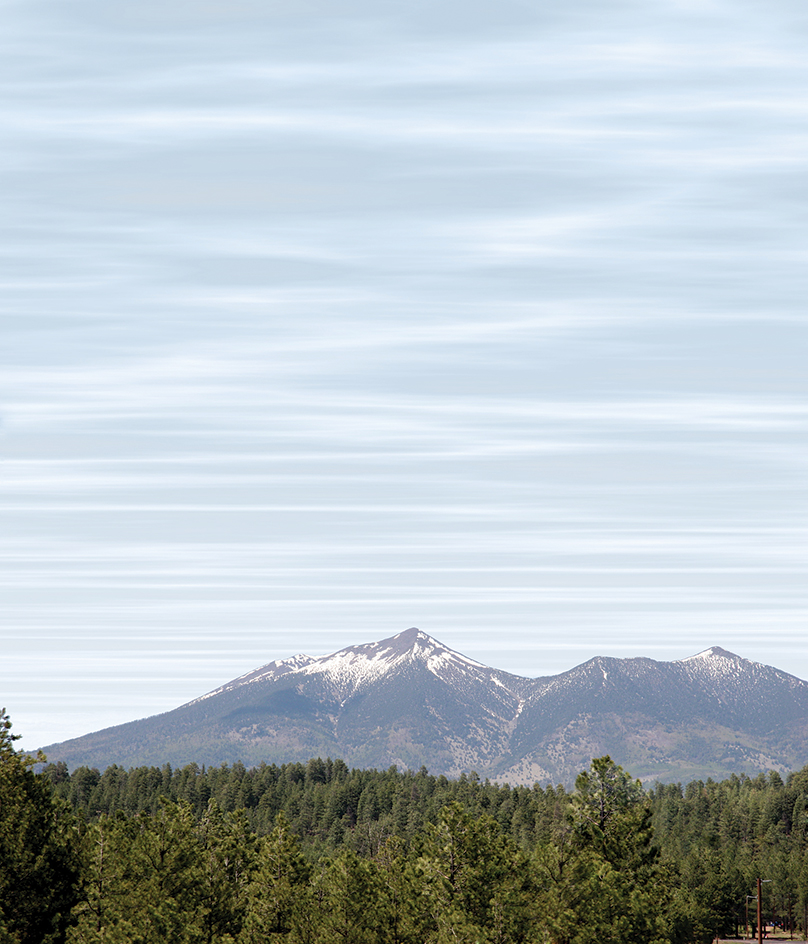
(411, 701)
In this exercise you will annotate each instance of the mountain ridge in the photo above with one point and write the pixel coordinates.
(412, 701)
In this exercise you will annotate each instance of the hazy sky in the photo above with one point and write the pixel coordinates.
(323, 319)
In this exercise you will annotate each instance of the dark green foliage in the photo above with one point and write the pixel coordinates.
(38, 868)
(327, 804)
(346, 903)
(319, 854)
(603, 881)
(707, 897)
(278, 892)
(167, 878)
(476, 881)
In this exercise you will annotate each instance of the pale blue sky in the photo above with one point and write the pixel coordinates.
(323, 320)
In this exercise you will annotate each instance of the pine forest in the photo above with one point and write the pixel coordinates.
(318, 853)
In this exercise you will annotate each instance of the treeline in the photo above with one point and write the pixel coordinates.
(317, 854)
(327, 805)
(758, 825)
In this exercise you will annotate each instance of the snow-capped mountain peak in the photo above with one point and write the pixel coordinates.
(718, 665)
(352, 669)
(714, 652)
(752, 689)
(357, 667)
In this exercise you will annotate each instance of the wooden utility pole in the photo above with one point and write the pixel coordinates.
(760, 912)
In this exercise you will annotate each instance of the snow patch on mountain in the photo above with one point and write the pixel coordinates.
(439, 659)
(718, 665)
(351, 670)
(714, 652)
(271, 670)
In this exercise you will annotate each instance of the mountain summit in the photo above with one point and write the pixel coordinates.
(354, 669)
(411, 701)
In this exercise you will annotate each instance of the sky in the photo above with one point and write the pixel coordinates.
(321, 320)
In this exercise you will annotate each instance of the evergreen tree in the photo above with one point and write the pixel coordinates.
(603, 875)
(476, 881)
(226, 861)
(278, 893)
(347, 905)
(38, 867)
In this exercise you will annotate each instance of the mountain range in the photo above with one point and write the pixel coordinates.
(411, 701)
